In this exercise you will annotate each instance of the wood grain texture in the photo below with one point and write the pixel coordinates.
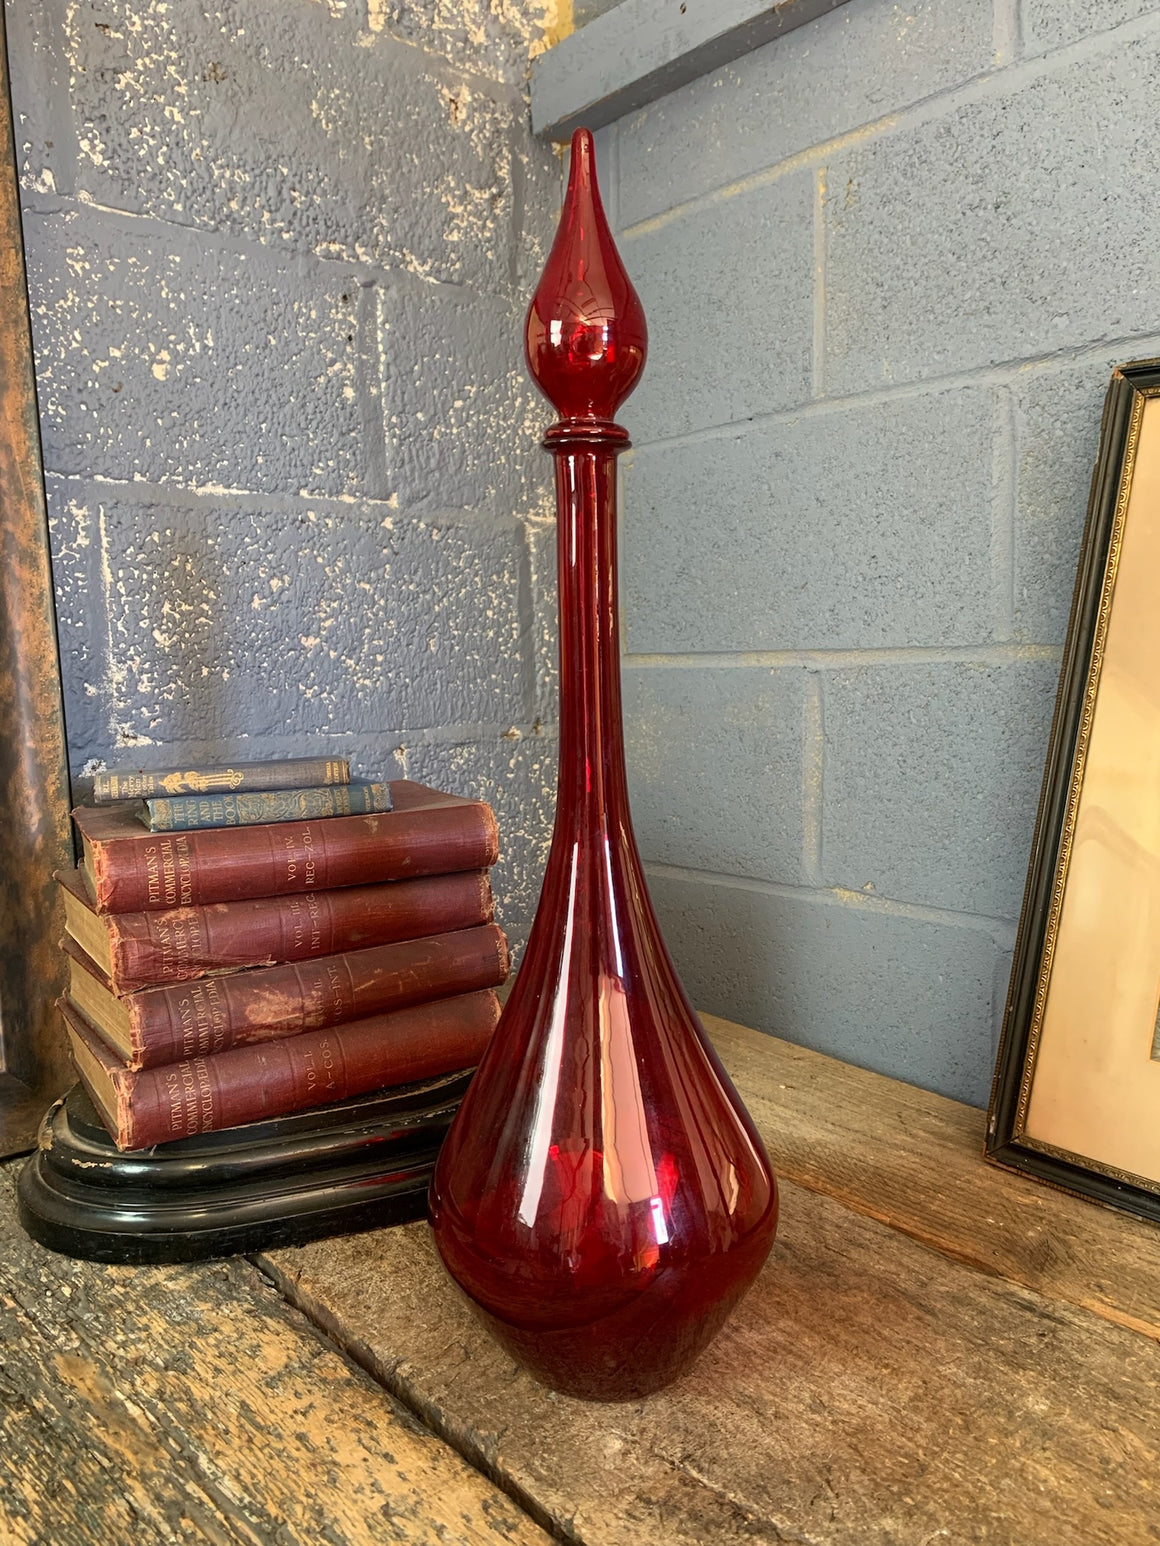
(191, 1404)
(915, 1161)
(869, 1392)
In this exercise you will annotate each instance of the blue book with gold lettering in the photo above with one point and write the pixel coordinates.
(190, 813)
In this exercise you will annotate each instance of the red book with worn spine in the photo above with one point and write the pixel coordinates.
(209, 1016)
(131, 869)
(144, 950)
(250, 1084)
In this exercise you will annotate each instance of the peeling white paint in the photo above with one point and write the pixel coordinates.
(200, 359)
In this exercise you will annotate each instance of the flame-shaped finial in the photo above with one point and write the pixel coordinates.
(585, 335)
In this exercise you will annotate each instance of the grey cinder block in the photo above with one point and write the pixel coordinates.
(715, 768)
(931, 779)
(1056, 23)
(296, 128)
(728, 290)
(897, 994)
(1017, 224)
(164, 359)
(461, 420)
(863, 527)
(332, 619)
(799, 91)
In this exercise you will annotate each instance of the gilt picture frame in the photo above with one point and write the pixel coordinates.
(1076, 1095)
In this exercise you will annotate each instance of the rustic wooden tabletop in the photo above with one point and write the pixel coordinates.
(937, 1352)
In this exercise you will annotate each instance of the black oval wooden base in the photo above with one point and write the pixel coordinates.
(359, 1164)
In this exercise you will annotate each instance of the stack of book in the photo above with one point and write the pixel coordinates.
(239, 951)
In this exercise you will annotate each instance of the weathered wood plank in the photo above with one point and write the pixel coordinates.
(869, 1392)
(915, 1161)
(191, 1404)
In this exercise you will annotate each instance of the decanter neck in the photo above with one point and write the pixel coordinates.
(592, 785)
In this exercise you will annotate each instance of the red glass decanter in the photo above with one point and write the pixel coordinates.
(602, 1198)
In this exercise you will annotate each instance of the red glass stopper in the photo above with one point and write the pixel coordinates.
(585, 337)
(602, 1197)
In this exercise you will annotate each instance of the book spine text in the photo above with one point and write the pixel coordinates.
(269, 1079)
(286, 773)
(213, 1014)
(149, 949)
(190, 812)
(185, 869)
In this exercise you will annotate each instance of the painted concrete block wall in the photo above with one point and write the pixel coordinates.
(278, 256)
(888, 263)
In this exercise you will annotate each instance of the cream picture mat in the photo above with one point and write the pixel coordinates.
(1095, 1087)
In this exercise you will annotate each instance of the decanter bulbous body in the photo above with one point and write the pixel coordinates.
(602, 1198)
